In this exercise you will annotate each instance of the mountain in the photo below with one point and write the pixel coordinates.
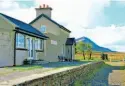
(95, 47)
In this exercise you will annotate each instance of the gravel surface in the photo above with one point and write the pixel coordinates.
(101, 76)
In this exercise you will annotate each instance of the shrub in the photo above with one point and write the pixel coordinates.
(25, 62)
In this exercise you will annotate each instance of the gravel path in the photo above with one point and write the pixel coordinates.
(101, 76)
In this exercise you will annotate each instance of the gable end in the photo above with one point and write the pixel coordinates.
(42, 15)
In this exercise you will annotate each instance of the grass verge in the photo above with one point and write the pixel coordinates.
(24, 67)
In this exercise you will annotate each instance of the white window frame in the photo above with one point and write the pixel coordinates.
(39, 44)
(18, 40)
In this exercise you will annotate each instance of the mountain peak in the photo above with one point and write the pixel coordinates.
(95, 47)
(82, 38)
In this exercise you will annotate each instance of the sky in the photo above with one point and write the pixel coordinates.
(103, 21)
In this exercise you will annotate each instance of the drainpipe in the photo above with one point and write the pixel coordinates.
(71, 52)
(14, 64)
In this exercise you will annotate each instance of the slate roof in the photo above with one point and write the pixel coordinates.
(43, 15)
(70, 41)
(27, 28)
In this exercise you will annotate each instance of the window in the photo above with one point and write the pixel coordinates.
(20, 40)
(43, 28)
(39, 44)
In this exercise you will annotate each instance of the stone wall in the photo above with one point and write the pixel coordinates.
(62, 78)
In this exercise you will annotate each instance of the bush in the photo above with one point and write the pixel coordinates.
(104, 56)
(25, 62)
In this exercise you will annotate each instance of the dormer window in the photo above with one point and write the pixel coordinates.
(43, 28)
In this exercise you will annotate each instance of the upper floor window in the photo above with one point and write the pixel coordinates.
(43, 28)
(20, 40)
(39, 44)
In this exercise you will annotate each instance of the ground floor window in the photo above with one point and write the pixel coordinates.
(39, 44)
(20, 40)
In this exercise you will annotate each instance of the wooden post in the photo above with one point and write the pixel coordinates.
(110, 59)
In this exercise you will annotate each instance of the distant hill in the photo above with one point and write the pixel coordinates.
(95, 47)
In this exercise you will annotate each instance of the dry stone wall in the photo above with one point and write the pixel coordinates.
(63, 78)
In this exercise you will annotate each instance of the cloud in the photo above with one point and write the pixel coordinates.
(118, 45)
(119, 48)
(121, 42)
(14, 9)
(22, 14)
(8, 5)
(76, 15)
(111, 37)
(80, 12)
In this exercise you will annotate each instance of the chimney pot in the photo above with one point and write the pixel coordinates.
(43, 5)
(47, 6)
(43, 9)
(40, 6)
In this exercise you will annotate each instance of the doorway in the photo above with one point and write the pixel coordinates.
(31, 48)
(69, 52)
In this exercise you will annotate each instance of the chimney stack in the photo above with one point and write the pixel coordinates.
(44, 9)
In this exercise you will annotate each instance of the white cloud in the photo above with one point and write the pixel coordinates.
(13, 9)
(75, 14)
(8, 5)
(22, 14)
(104, 36)
(73, 11)
(70, 11)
